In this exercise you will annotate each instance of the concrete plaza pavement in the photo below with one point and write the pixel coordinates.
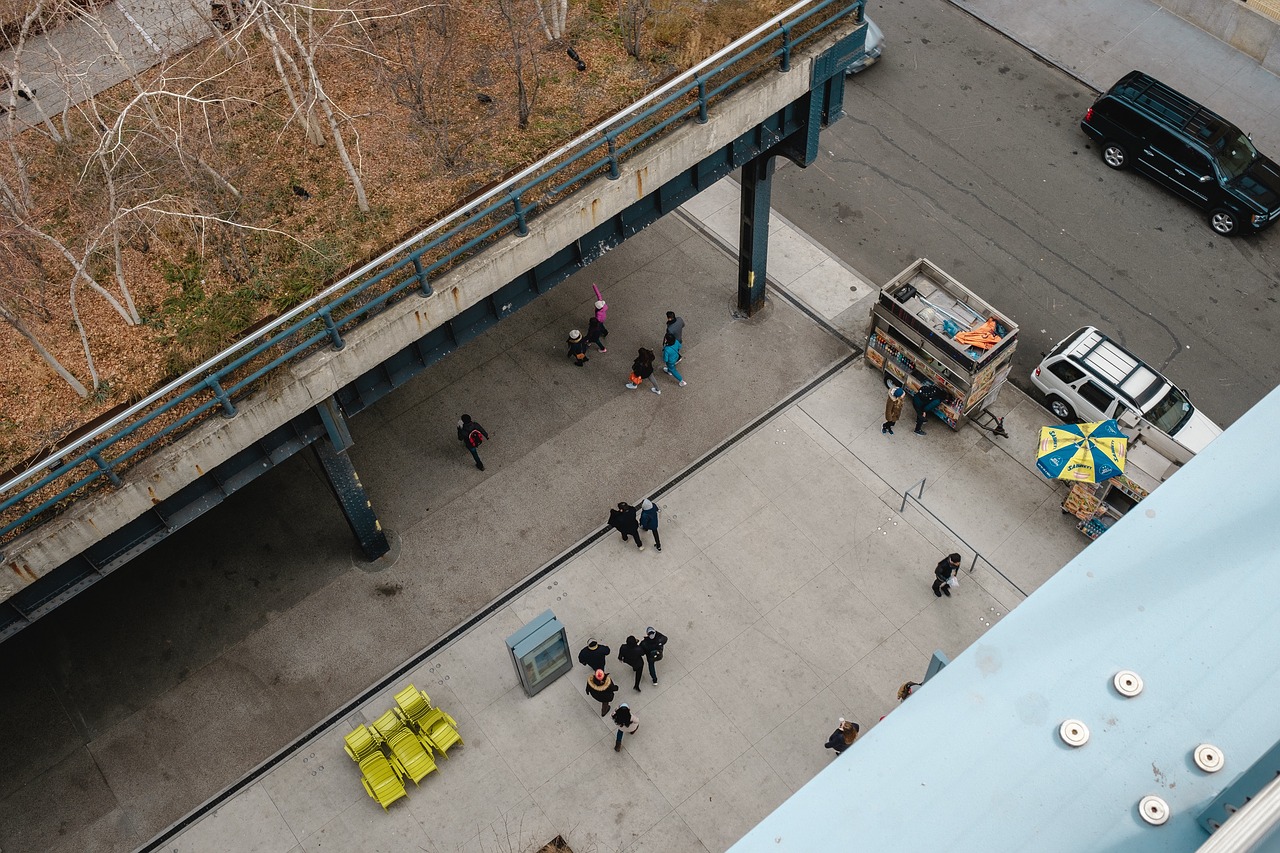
(108, 760)
(794, 590)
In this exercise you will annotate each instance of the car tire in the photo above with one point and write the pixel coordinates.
(1114, 155)
(1061, 409)
(1224, 222)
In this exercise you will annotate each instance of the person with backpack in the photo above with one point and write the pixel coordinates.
(642, 369)
(472, 435)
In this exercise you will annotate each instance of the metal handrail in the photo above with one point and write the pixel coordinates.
(918, 500)
(207, 378)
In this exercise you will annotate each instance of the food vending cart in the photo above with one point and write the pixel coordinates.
(1148, 463)
(928, 327)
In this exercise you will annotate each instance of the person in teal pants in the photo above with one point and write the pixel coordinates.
(670, 355)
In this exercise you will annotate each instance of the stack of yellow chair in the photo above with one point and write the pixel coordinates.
(379, 775)
(433, 725)
(409, 733)
(407, 747)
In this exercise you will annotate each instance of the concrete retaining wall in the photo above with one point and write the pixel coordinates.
(1236, 24)
(297, 387)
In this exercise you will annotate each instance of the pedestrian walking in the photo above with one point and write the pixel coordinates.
(907, 689)
(642, 369)
(577, 348)
(596, 333)
(652, 645)
(844, 736)
(627, 723)
(928, 398)
(944, 575)
(623, 520)
(649, 521)
(593, 655)
(601, 688)
(892, 409)
(632, 656)
(671, 355)
(675, 326)
(472, 435)
(602, 308)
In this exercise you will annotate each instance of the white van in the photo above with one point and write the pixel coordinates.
(1089, 377)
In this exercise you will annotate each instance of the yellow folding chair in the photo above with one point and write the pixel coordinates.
(381, 780)
(413, 704)
(405, 746)
(360, 743)
(441, 730)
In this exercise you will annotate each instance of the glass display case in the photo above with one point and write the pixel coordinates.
(540, 652)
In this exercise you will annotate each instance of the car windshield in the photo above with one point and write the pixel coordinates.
(1170, 412)
(1233, 152)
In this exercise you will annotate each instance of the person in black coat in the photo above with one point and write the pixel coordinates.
(632, 656)
(601, 688)
(943, 572)
(927, 399)
(471, 434)
(652, 645)
(623, 519)
(593, 655)
(577, 348)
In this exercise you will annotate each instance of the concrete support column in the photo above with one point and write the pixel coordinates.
(753, 239)
(331, 450)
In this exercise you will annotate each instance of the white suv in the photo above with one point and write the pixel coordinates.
(1089, 377)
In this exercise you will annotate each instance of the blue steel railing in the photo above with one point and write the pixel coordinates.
(507, 207)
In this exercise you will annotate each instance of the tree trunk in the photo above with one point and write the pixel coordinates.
(13, 320)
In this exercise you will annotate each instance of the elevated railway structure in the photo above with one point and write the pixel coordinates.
(110, 494)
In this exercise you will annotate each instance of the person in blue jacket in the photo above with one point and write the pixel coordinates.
(649, 520)
(670, 355)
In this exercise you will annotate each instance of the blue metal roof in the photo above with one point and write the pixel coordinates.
(1184, 591)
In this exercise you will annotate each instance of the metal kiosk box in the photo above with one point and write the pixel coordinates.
(911, 339)
(540, 652)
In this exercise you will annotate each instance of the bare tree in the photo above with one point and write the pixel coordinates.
(551, 15)
(632, 15)
(415, 72)
(22, 281)
(522, 58)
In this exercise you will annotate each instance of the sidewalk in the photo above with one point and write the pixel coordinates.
(793, 589)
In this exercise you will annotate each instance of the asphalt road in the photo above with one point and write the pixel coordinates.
(962, 147)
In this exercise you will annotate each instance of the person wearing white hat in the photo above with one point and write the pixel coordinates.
(649, 521)
(577, 348)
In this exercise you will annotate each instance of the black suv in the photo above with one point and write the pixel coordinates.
(1196, 153)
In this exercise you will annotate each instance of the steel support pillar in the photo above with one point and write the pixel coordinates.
(753, 238)
(331, 450)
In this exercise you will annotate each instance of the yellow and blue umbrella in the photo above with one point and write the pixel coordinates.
(1087, 453)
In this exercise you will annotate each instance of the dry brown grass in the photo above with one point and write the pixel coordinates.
(197, 288)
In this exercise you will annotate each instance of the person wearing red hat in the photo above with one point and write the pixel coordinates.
(601, 688)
